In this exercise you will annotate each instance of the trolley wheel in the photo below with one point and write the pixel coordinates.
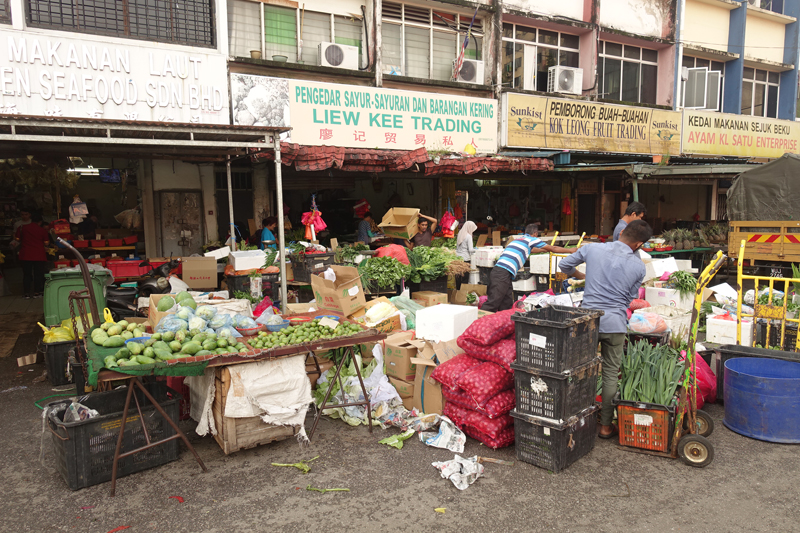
(696, 451)
(705, 424)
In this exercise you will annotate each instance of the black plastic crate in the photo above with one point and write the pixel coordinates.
(85, 450)
(553, 446)
(556, 338)
(654, 339)
(270, 285)
(303, 265)
(556, 396)
(789, 337)
(56, 357)
(729, 351)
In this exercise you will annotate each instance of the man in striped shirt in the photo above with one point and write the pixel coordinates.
(500, 291)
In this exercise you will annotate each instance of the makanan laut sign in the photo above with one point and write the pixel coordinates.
(365, 117)
(43, 74)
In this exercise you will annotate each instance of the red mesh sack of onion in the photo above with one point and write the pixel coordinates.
(448, 372)
(484, 381)
(496, 406)
(489, 329)
(505, 438)
(503, 352)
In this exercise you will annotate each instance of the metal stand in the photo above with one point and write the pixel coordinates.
(134, 382)
(336, 377)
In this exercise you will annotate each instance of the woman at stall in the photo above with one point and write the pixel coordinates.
(267, 234)
(32, 240)
(464, 248)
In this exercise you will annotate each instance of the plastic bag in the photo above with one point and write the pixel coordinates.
(130, 218)
(77, 412)
(197, 323)
(638, 304)
(262, 306)
(228, 332)
(484, 381)
(171, 323)
(706, 382)
(497, 406)
(220, 321)
(647, 323)
(489, 329)
(502, 353)
(448, 372)
(206, 312)
(393, 250)
(245, 322)
(184, 313)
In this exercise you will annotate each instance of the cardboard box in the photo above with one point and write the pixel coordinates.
(427, 392)
(459, 297)
(289, 273)
(199, 272)
(661, 296)
(400, 223)
(444, 322)
(345, 295)
(388, 325)
(247, 260)
(397, 358)
(296, 309)
(404, 388)
(429, 298)
(154, 315)
(408, 403)
(31, 359)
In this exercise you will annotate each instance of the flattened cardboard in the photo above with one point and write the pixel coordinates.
(427, 392)
(481, 240)
(496, 240)
(345, 295)
(400, 223)
(429, 298)
(199, 272)
(404, 388)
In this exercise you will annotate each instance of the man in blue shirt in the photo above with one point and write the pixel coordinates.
(267, 234)
(614, 273)
(635, 211)
(500, 290)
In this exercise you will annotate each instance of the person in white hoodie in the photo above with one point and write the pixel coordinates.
(464, 247)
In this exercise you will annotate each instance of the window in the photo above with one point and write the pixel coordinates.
(282, 29)
(628, 73)
(703, 88)
(241, 180)
(760, 93)
(528, 53)
(185, 21)
(422, 43)
(776, 6)
(5, 12)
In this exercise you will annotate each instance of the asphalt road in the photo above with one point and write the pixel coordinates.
(751, 486)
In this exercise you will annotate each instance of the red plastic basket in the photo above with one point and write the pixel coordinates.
(249, 332)
(115, 242)
(133, 239)
(63, 263)
(121, 268)
(98, 261)
(98, 243)
(80, 244)
(648, 429)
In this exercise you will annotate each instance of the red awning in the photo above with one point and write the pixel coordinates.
(309, 158)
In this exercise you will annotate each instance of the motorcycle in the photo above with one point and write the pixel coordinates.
(122, 301)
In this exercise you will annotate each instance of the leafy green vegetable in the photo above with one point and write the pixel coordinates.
(347, 253)
(684, 283)
(442, 242)
(241, 295)
(272, 255)
(381, 273)
(650, 374)
(429, 263)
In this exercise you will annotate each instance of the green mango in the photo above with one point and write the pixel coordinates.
(135, 347)
(163, 355)
(221, 350)
(149, 342)
(191, 348)
(194, 332)
(161, 345)
(99, 338)
(180, 336)
(145, 360)
(114, 342)
(127, 335)
(203, 352)
(138, 333)
(110, 362)
(131, 362)
(165, 304)
(105, 325)
(208, 344)
(175, 346)
(130, 327)
(149, 352)
(156, 337)
(123, 324)
(182, 296)
(168, 336)
(123, 353)
(114, 330)
(200, 338)
(222, 343)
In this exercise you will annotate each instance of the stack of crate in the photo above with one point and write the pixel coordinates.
(555, 378)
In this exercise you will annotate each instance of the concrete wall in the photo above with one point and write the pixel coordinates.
(706, 25)
(652, 18)
(764, 39)
(564, 8)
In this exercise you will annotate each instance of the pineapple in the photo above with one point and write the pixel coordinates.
(687, 242)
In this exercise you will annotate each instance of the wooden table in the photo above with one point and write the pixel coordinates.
(105, 377)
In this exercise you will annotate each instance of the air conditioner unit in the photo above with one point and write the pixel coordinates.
(471, 71)
(568, 80)
(337, 55)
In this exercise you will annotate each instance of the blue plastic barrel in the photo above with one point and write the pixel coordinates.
(762, 399)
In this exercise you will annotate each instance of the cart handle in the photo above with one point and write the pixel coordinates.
(54, 432)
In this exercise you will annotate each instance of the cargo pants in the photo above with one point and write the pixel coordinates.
(611, 348)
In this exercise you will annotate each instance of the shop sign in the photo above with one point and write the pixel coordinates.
(365, 117)
(559, 123)
(712, 133)
(95, 77)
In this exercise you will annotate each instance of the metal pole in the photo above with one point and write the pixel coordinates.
(281, 239)
(635, 190)
(230, 204)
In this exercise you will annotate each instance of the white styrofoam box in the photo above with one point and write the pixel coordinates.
(678, 320)
(444, 322)
(486, 256)
(247, 259)
(219, 253)
(655, 268)
(671, 297)
(724, 331)
(525, 284)
(538, 264)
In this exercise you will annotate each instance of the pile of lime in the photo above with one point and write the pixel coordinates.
(303, 333)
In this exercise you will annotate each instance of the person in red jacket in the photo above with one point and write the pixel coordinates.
(32, 255)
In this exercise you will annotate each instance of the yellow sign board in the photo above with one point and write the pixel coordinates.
(559, 123)
(712, 133)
